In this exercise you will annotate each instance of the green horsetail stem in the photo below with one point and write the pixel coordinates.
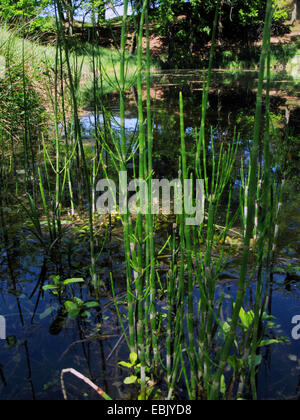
(260, 300)
(142, 175)
(215, 390)
(206, 87)
(188, 249)
(72, 86)
(149, 224)
(126, 226)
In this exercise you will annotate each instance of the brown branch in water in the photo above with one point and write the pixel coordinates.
(82, 378)
(96, 338)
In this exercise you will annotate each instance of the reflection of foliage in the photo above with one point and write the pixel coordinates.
(245, 122)
(284, 52)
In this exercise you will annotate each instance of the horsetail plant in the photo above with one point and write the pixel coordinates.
(177, 323)
(251, 210)
(72, 85)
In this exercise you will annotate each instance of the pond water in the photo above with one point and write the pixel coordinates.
(41, 341)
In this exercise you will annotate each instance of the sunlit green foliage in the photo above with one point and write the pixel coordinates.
(22, 10)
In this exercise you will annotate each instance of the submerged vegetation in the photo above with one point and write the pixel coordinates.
(182, 335)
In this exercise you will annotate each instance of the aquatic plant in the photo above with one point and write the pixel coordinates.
(198, 339)
(203, 365)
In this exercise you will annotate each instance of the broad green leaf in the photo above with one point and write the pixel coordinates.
(125, 364)
(130, 380)
(133, 358)
(246, 318)
(91, 304)
(78, 301)
(69, 305)
(226, 327)
(50, 287)
(269, 342)
(243, 317)
(250, 318)
(56, 280)
(267, 317)
(74, 313)
(72, 281)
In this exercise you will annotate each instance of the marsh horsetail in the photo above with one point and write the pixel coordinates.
(132, 230)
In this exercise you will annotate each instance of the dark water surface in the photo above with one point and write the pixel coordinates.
(41, 341)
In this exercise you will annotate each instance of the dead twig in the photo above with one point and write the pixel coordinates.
(85, 380)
